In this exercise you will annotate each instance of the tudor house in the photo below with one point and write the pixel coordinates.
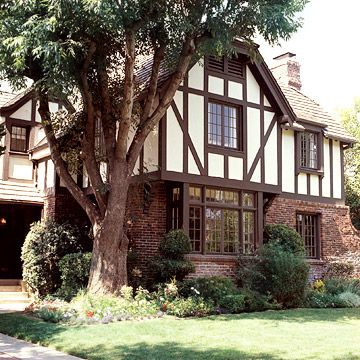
(236, 150)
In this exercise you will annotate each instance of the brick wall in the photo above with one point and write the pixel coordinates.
(339, 240)
(146, 219)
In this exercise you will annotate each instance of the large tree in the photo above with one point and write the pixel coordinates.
(351, 120)
(90, 51)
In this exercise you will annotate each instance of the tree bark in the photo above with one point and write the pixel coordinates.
(108, 270)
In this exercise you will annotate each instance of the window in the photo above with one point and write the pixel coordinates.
(19, 139)
(307, 227)
(174, 208)
(221, 221)
(309, 150)
(223, 125)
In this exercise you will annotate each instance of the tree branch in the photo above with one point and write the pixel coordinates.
(153, 83)
(146, 127)
(59, 163)
(128, 97)
(88, 141)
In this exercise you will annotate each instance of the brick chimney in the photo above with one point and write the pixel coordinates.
(286, 69)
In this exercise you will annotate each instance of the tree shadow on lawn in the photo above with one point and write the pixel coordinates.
(167, 351)
(294, 315)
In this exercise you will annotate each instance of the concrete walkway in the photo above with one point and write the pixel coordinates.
(14, 349)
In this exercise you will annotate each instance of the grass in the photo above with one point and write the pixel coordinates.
(293, 334)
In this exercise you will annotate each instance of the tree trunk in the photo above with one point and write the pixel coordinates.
(108, 271)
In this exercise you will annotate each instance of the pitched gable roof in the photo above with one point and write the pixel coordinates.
(307, 109)
(5, 97)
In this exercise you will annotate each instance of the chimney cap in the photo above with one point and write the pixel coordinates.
(286, 55)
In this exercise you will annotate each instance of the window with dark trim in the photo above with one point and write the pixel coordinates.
(224, 125)
(174, 213)
(307, 226)
(19, 138)
(309, 154)
(221, 221)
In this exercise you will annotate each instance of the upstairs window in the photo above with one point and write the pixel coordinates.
(19, 139)
(223, 125)
(307, 227)
(309, 153)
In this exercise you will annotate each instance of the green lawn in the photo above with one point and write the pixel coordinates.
(293, 334)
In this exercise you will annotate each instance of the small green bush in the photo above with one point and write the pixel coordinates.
(44, 246)
(213, 288)
(171, 262)
(174, 245)
(282, 274)
(350, 299)
(233, 304)
(316, 299)
(254, 301)
(286, 237)
(336, 286)
(74, 274)
(191, 306)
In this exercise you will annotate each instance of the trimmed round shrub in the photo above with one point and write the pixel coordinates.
(174, 245)
(339, 269)
(282, 274)
(171, 262)
(286, 237)
(44, 246)
(350, 299)
(74, 274)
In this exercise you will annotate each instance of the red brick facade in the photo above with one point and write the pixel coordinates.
(147, 214)
(339, 240)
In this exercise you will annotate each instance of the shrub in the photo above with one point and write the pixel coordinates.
(175, 245)
(316, 299)
(339, 269)
(213, 288)
(336, 286)
(191, 306)
(74, 274)
(233, 304)
(350, 299)
(286, 237)
(44, 246)
(280, 273)
(171, 263)
(254, 301)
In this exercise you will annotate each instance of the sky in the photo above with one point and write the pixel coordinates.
(328, 49)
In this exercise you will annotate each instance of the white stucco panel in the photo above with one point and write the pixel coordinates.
(196, 76)
(253, 88)
(271, 158)
(192, 167)
(41, 175)
(266, 101)
(336, 170)
(253, 134)
(24, 112)
(151, 151)
(236, 168)
(196, 123)
(50, 174)
(326, 192)
(216, 85)
(20, 168)
(302, 184)
(235, 90)
(174, 143)
(256, 177)
(268, 116)
(216, 165)
(314, 185)
(288, 161)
